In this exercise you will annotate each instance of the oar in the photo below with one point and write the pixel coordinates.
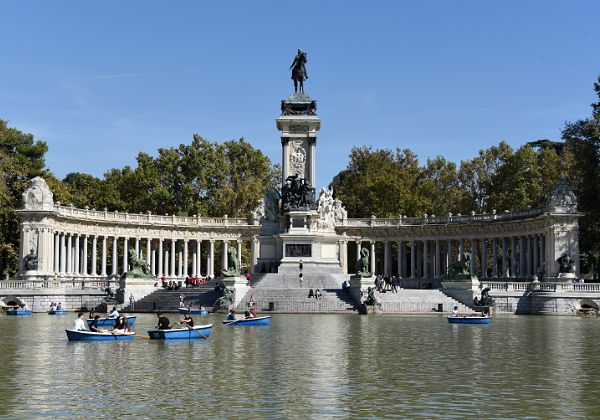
(192, 329)
(142, 336)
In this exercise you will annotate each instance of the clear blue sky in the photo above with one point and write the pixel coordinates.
(101, 81)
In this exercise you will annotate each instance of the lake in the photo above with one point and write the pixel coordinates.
(308, 366)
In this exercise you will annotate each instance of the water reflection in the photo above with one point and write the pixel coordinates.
(308, 366)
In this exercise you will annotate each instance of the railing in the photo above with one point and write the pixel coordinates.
(510, 286)
(115, 216)
(444, 220)
(81, 284)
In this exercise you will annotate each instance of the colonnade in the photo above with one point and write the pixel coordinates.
(490, 257)
(83, 255)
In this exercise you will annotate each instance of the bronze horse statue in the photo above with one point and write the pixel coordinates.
(299, 74)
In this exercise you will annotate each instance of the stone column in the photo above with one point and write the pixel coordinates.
(199, 256)
(84, 260)
(194, 261)
(94, 268)
(179, 260)
(166, 262)
(494, 257)
(373, 260)
(153, 262)
(522, 267)
(448, 254)
(211, 258)
(387, 254)
(513, 257)
(160, 258)
(504, 258)
(536, 263)
(461, 249)
(399, 252)
(149, 252)
(473, 256)
(404, 260)
(413, 265)
(103, 271)
(483, 258)
(254, 250)
(529, 240)
(137, 247)
(425, 259)
(125, 254)
(358, 249)
(186, 271)
(437, 266)
(239, 252)
(312, 141)
(69, 254)
(115, 256)
(224, 264)
(63, 257)
(76, 239)
(172, 264)
(57, 252)
(542, 253)
(285, 146)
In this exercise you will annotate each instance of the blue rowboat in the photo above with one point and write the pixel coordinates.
(193, 311)
(73, 335)
(61, 312)
(259, 320)
(200, 331)
(18, 312)
(110, 322)
(469, 319)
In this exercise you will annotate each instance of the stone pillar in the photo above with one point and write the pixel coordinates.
(312, 141)
(115, 256)
(76, 240)
(373, 260)
(63, 256)
(513, 257)
(504, 258)
(494, 257)
(186, 270)
(103, 271)
(194, 262)
(285, 147)
(166, 263)
(387, 256)
(473, 256)
(125, 254)
(542, 253)
(179, 260)
(69, 254)
(94, 271)
(399, 255)
(425, 259)
(448, 254)
(153, 262)
(211, 259)
(57, 252)
(522, 266)
(84, 259)
(404, 260)
(160, 258)
(137, 247)
(254, 250)
(199, 256)
(224, 262)
(529, 240)
(483, 258)
(536, 263)
(172, 264)
(413, 265)
(148, 252)
(239, 252)
(461, 249)
(437, 267)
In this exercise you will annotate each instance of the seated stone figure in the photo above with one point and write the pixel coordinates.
(31, 261)
(362, 268)
(461, 268)
(485, 300)
(566, 263)
(139, 267)
(233, 264)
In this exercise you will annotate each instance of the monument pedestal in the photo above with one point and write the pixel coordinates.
(239, 285)
(463, 287)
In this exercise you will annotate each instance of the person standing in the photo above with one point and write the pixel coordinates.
(131, 302)
(181, 304)
(301, 275)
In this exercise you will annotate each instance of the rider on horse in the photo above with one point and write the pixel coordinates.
(299, 74)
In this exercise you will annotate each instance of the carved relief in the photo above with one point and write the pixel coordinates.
(297, 158)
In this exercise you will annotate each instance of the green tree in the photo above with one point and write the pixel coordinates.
(440, 187)
(583, 144)
(21, 158)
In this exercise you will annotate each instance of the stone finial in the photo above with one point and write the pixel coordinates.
(38, 196)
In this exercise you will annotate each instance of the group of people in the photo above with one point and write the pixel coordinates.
(195, 281)
(165, 324)
(315, 294)
(387, 283)
(251, 313)
(55, 307)
(171, 285)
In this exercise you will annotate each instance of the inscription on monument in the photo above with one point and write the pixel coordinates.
(298, 250)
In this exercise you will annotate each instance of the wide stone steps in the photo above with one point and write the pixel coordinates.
(168, 300)
(297, 300)
(417, 300)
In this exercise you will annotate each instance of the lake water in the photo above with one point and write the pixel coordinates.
(308, 366)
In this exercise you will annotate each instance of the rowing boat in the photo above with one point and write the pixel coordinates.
(200, 331)
(74, 335)
(261, 320)
(469, 319)
(110, 322)
(193, 311)
(58, 312)
(18, 312)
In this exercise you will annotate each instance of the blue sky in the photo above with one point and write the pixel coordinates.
(101, 81)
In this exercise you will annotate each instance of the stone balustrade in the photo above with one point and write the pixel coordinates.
(66, 284)
(523, 286)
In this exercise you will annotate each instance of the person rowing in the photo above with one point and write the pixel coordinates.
(187, 321)
(163, 322)
(94, 324)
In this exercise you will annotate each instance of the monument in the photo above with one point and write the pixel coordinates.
(296, 225)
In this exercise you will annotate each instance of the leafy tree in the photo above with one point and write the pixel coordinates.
(440, 187)
(583, 144)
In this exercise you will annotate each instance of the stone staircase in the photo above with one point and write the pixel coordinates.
(283, 292)
(165, 300)
(418, 301)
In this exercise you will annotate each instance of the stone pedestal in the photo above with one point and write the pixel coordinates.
(239, 286)
(462, 288)
(360, 284)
